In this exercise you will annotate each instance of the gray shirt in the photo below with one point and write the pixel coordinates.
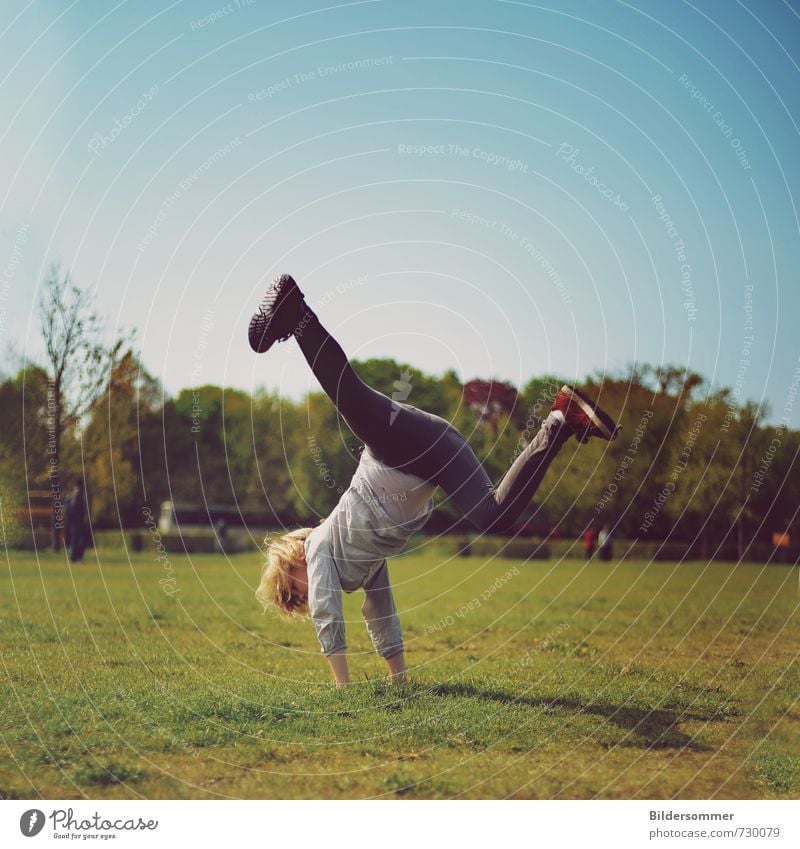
(348, 551)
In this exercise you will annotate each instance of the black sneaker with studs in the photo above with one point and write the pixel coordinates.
(277, 316)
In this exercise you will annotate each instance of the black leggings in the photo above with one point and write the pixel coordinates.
(426, 445)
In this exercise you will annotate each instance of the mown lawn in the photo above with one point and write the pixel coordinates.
(530, 680)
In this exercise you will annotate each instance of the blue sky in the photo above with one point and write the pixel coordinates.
(501, 188)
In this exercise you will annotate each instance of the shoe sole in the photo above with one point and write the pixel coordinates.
(269, 336)
(591, 413)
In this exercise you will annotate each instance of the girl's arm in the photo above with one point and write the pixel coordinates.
(381, 616)
(325, 608)
(397, 667)
(338, 664)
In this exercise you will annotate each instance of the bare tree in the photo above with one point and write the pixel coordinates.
(79, 365)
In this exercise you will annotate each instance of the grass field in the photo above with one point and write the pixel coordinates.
(530, 680)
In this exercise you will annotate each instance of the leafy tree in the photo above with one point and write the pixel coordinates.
(438, 395)
(23, 429)
(704, 462)
(490, 399)
(79, 365)
(11, 501)
(112, 439)
(776, 502)
(261, 442)
(749, 439)
(324, 458)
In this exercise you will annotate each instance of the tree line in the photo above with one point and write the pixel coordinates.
(692, 462)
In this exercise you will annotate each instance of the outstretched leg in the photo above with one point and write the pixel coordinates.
(367, 412)
(397, 434)
(496, 509)
(418, 442)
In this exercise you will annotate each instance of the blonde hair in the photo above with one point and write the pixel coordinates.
(276, 587)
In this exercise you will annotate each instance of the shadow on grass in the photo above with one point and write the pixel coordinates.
(654, 728)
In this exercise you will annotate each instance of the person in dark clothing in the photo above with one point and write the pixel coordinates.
(77, 523)
(220, 535)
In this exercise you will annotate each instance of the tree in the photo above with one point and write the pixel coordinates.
(121, 416)
(406, 384)
(23, 428)
(322, 456)
(490, 399)
(79, 367)
(776, 500)
(749, 438)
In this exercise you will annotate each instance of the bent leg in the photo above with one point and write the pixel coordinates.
(496, 509)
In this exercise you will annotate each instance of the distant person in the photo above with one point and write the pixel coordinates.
(781, 540)
(605, 541)
(590, 541)
(77, 522)
(220, 535)
(407, 454)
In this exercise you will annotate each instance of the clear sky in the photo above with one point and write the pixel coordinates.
(501, 188)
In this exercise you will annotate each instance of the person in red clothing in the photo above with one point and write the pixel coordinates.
(590, 541)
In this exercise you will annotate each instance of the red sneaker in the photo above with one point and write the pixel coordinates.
(583, 417)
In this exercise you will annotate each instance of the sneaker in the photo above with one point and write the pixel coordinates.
(583, 417)
(277, 315)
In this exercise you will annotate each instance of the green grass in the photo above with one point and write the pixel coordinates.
(561, 681)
